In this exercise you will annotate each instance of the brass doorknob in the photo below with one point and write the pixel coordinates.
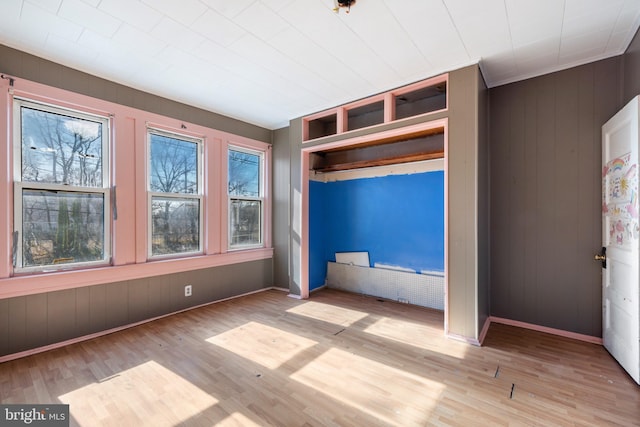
(599, 257)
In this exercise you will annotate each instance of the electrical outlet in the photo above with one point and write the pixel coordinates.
(187, 291)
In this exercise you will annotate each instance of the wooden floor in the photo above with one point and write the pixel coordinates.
(337, 359)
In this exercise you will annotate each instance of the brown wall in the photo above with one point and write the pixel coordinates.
(545, 195)
(632, 69)
(34, 321)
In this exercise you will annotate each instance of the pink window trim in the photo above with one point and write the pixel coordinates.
(128, 150)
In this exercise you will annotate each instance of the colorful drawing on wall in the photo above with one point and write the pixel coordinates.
(620, 200)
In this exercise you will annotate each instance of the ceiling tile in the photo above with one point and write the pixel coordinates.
(229, 9)
(217, 28)
(184, 11)
(48, 5)
(132, 12)
(176, 34)
(387, 39)
(261, 21)
(483, 26)
(42, 20)
(533, 21)
(145, 44)
(97, 20)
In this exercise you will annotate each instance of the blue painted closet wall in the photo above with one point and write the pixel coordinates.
(398, 219)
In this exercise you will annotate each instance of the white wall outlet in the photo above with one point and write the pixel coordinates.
(187, 291)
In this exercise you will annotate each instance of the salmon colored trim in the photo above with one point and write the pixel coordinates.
(389, 110)
(56, 281)
(214, 196)
(389, 115)
(42, 349)
(547, 330)
(129, 166)
(446, 226)
(6, 187)
(342, 120)
(485, 329)
(304, 188)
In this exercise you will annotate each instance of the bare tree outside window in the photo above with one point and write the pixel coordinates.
(60, 227)
(173, 174)
(245, 198)
(60, 149)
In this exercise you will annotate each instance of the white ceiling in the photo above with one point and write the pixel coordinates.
(269, 61)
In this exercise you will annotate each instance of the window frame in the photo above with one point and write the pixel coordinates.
(262, 198)
(19, 185)
(198, 195)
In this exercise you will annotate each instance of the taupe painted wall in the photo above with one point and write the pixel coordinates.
(545, 153)
(464, 166)
(37, 320)
(464, 216)
(632, 69)
(281, 179)
(483, 202)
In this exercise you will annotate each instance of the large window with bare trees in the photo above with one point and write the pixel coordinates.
(246, 194)
(61, 190)
(175, 194)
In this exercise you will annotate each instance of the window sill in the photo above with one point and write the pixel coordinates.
(56, 281)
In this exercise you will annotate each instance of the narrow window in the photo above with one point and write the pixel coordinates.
(175, 194)
(61, 188)
(246, 198)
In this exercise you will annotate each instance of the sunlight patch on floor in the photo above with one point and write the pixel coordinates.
(423, 336)
(262, 344)
(328, 313)
(236, 420)
(136, 394)
(376, 389)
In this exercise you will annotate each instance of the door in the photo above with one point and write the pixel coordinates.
(620, 237)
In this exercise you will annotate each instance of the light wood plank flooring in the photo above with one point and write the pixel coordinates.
(337, 359)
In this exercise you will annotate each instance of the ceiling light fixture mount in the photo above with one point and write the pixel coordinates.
(343, 4)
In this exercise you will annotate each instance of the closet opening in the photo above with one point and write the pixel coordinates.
(374, 212)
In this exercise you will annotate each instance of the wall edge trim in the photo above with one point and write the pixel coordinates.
(485, 329)
(553, 331)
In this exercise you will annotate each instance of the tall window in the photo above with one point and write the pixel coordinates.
(246, 197)
(61, 175)
(175, 194)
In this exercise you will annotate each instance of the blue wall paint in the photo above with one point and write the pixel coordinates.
(398, 219)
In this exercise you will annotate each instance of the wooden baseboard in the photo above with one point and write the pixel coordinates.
(545, 329)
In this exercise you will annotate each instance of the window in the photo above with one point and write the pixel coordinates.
(175, 194)
(246, 198)
(61, 193)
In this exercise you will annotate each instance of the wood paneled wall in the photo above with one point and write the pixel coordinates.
(632, 69)
(33, 321)
(545, 227)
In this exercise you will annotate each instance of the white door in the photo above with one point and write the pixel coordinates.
(620, 237)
